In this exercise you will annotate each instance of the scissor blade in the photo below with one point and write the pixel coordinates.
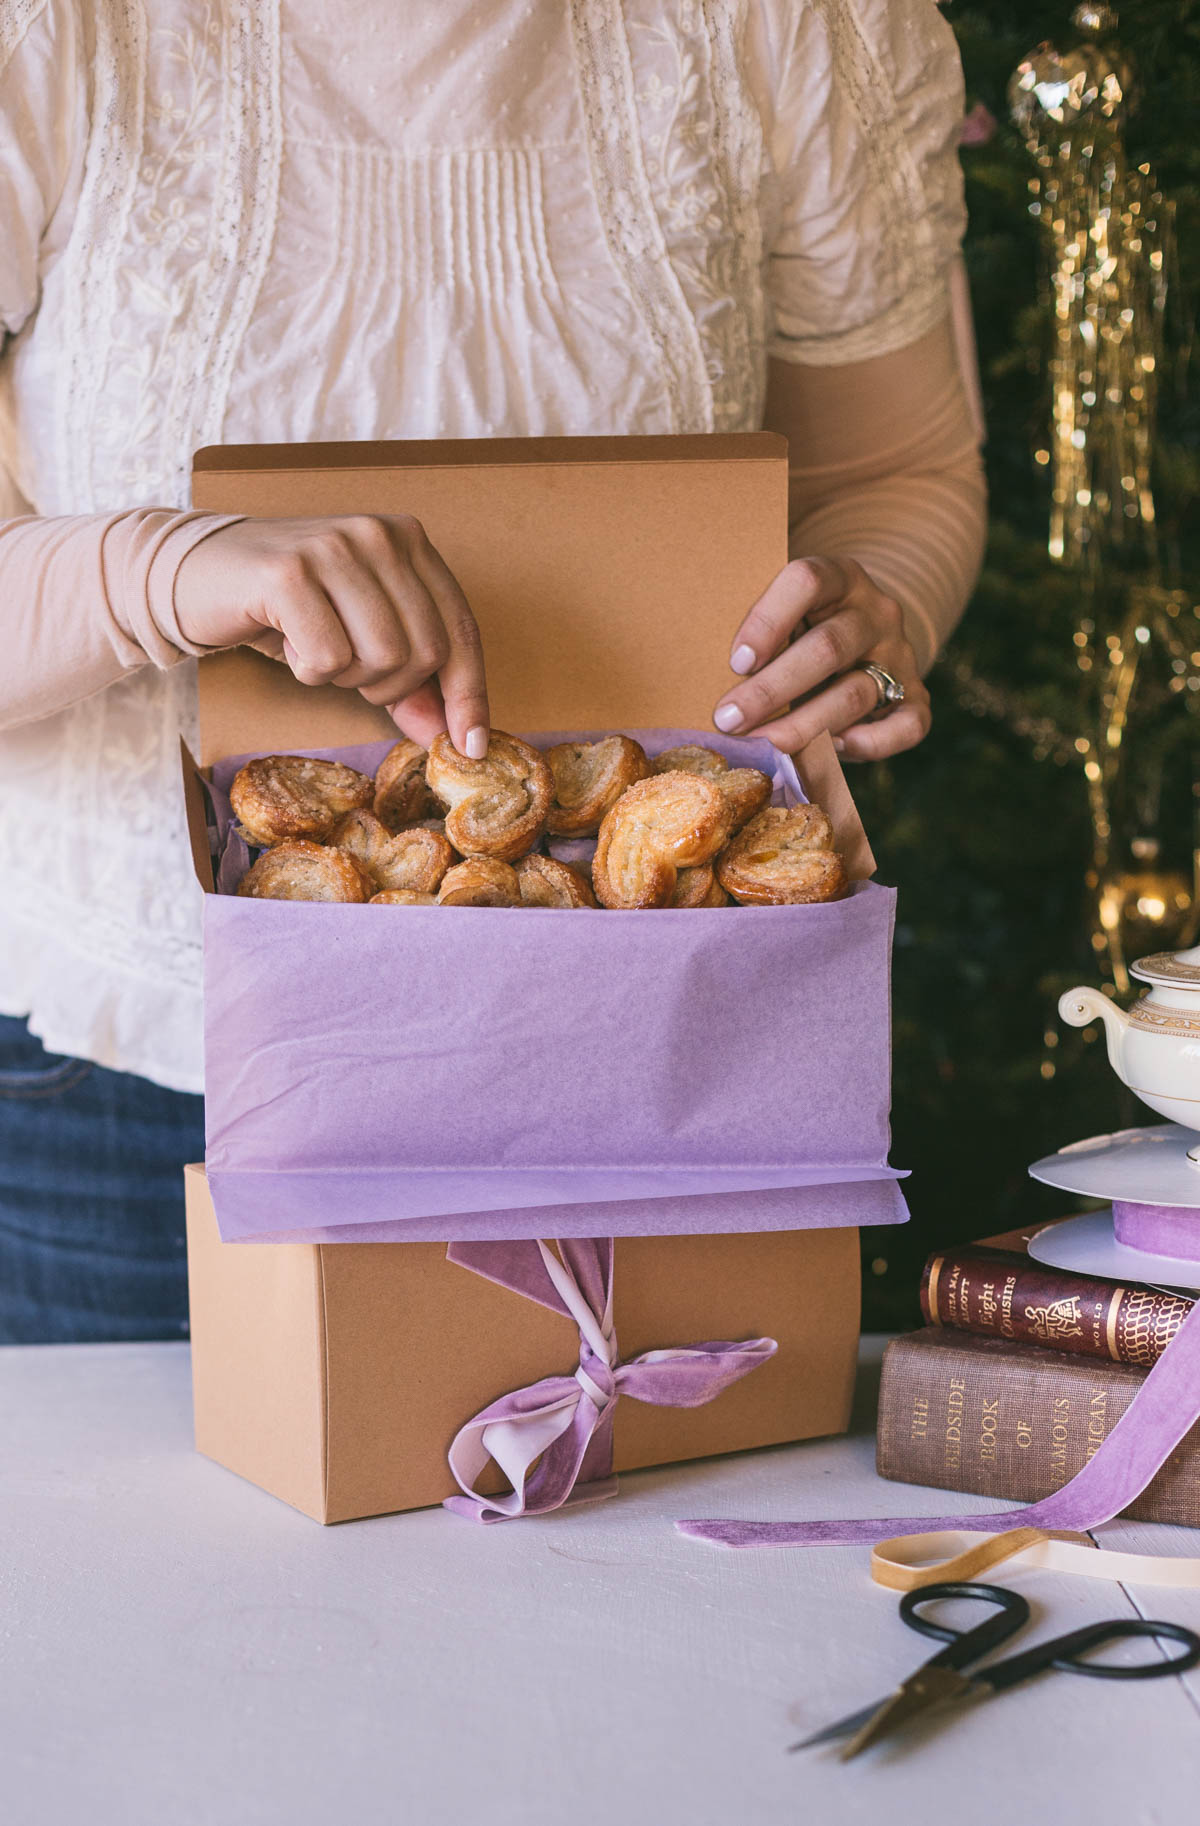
(929, 1686)
(845, 1727)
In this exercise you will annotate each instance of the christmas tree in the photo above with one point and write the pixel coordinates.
(990, 828)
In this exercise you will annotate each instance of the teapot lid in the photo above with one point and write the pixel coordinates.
(1180, 969)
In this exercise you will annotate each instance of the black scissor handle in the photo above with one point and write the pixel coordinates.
(1069, 1653)
(965, 1645)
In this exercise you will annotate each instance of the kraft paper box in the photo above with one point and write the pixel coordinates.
(607, 576)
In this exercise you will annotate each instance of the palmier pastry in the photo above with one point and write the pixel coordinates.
(415, 858)
(281, 796)
(691, 758)
(589, 778)
(402, 795)
(480, 881)
(546, 882)
(745, 791)
(668, 822)
(784, 856)
(699, 888)
(497, 806)
(306, 871)
(403, 897)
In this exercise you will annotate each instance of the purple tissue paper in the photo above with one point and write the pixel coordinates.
(430, 1072)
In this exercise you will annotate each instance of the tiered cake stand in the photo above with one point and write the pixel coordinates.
(1143, 1166)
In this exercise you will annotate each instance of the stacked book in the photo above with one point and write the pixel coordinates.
(1020, 1372)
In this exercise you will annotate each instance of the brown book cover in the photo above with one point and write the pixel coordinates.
(1004, 1293)
(1013, 1421)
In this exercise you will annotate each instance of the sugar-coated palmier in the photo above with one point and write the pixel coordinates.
(306, 871)
(699, 888)
(546, 882)
(589, 778)
(745, 791)
(480, 881)
(283, 796)
(415, 858)
(403, 897)
(784, 857)
(690, 758)
(402, 795)
(497, 806)
(668, 822)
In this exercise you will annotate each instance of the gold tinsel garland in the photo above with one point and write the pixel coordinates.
(1110, 231)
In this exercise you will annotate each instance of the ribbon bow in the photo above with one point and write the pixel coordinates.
(553, 1440)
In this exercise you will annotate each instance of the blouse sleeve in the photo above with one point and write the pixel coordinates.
(865, 207)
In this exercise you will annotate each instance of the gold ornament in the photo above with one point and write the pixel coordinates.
(1110, 232)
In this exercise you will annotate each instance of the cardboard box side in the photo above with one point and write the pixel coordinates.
(717, 1287)
(416, 1346)
(196, 813)
(443, 453)
(257, 1356)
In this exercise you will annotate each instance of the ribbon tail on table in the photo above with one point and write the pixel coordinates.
(1164, 1409)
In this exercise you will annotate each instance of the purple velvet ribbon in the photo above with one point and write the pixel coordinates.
(553, 1440)
(1165, 1408)
(1158, 1230)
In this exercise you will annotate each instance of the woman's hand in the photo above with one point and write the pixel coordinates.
(362, 601)
(843, 620)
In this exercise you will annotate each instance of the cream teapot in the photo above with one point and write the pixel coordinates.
(1155, 1048)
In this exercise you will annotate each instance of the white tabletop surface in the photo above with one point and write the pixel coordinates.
(179, 1649)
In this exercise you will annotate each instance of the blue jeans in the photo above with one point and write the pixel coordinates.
(91, 1198)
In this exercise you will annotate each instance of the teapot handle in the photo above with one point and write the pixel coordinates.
(1079, 1006)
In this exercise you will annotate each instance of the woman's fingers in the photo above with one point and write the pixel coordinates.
(461, 677)
(403, 621)
(838, 640)
(901, 728)
(802, 587)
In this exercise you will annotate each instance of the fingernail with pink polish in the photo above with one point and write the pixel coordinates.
(728, 718)
(743, 659)
(477, 743)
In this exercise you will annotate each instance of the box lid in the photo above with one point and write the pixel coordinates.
(608, 576)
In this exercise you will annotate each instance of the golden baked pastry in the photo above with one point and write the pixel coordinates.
(668, 822)
(589, 778)
(699, 888)
(480, 881)
(281, 796)
(306, 871)
(497, 806)
(691, 758)
(745, 791)
(402, 795)
(785, 856)
(546, 882)
(415, 858)
(403, 897)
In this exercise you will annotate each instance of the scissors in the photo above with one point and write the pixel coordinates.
(940, 1679)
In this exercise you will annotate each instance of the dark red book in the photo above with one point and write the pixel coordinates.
(1003, 1293)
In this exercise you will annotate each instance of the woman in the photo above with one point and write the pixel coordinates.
(288, 220)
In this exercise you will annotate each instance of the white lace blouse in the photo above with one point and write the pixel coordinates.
(267, 220)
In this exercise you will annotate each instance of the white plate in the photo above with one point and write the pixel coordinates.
(1086, 1245)
(1138, 1166)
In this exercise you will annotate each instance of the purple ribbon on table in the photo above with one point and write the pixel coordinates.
(1165, 1408)
(553, 1440)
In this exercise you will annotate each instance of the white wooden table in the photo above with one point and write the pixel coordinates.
(179, 1649)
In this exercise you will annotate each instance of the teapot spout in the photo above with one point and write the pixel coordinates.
(1079, 1006)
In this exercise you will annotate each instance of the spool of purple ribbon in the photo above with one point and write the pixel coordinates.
(1158, 1230)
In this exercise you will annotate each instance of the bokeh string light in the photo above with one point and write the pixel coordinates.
(1136, 638)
